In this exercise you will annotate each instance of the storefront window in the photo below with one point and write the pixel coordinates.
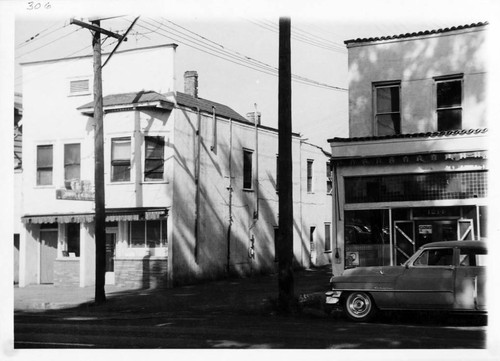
(148, 233)
(366, 235)
(73, 240)
(416, 187)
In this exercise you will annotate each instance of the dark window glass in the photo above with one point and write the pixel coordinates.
(44, 166)
(449, 104)
(387, 114)
(73, 238)
(435, 257)
(329, 182)
(247, 169)
(310, 176)
(153, 167)
(328, 246)
(152, 233)
(120, 159)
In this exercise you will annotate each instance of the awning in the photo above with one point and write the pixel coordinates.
(112, 215)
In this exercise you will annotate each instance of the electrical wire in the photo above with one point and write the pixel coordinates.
(39, 35)
(53, 41)
(224, 53)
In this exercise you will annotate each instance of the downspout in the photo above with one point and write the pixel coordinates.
(230, 190)
(300, 206)
(336, 211)
(256, 121)
(197, 183)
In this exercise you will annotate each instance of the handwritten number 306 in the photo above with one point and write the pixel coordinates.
(35, 6)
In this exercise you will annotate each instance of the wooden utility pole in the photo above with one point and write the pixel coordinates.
(100, 210)
(286, 295)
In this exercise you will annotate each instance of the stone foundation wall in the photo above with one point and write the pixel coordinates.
(67, 272)
(141, 273)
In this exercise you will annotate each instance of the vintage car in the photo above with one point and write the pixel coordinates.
(448, 275)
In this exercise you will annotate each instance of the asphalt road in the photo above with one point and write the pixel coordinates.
(309, 330)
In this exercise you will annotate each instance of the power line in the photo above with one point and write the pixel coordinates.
(225, 54)
(39, 35)
(53, 41)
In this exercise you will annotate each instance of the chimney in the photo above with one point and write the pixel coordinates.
(251, 117)
(191, 83)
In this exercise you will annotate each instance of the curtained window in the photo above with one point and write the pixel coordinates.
(120, 159)
(44, 165)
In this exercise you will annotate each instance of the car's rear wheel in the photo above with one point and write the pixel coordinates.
(359, 306)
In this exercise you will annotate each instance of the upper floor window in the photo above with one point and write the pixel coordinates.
(44, 165)
(247, 169)
(154, 158)
(329, 180)
(310, 175)
(449, 102)
(120, 159)
(71, 163)
(387, 108)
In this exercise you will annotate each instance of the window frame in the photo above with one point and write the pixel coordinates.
(86, 91)
(67, 164)
(448, 79)
(383, 85)
(247, 171)
(328, 237)
(310, 176)
(120, 162)
(44, 168)
(146, 244)
(146, 159)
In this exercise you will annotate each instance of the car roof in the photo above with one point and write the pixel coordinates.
(475, 244)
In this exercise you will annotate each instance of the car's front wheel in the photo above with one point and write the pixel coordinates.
(359, 306)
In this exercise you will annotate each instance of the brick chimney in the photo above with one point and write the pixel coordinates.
(251, 117)
(191, 83)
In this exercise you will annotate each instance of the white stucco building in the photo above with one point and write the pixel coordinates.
(190, 184)
(414, 168)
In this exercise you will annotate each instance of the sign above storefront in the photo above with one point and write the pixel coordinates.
(77, 190)
(414, 158)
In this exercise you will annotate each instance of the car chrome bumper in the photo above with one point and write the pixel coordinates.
(332, 297)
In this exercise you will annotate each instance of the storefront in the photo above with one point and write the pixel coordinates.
(136, 248)
(399, 195)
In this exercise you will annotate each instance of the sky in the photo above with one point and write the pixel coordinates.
(235, 49)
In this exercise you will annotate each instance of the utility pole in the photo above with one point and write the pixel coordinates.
(286, 295)
(100, 210)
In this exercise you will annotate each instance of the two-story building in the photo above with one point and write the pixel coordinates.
(414, 168)
(190, 184)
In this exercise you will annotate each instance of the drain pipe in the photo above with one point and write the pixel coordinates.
(197, 183)
(230, 190)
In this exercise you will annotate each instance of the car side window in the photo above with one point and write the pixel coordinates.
(472, 257)
(435, 257)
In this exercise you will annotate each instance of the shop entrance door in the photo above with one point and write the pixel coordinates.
(110, 257)
(48, 255)
(404, 241)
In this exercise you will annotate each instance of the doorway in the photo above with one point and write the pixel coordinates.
(48, 255)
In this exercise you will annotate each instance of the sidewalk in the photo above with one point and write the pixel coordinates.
(230, 295)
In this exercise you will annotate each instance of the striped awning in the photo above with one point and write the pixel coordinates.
(114, 215)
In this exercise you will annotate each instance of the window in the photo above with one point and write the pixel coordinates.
(328, 245)
(329, 180)
(120, 159)
(435, 257)
(387, 114)
(153, 164)
(151, 233)
(310, 175)
(71, 163)
(73, 239)
(472, 257)
(44, 166)
(247, 169)
(449, 103)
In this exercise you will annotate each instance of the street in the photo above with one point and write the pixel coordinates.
(216, 330)
(234, 313)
